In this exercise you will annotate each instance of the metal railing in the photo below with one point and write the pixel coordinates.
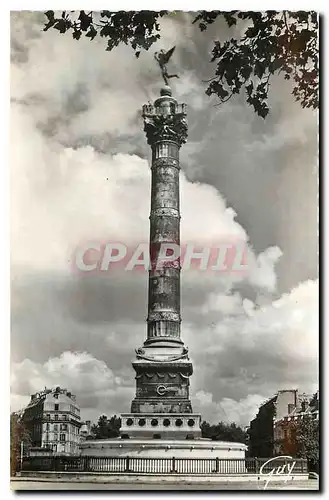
(170, 465)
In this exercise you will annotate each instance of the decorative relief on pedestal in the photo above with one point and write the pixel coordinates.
(162, 390)
(169, 127)
(162, 377)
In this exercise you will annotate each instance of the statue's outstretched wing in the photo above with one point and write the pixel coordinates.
(168, 54)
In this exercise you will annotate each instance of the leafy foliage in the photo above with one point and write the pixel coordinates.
(268, 43)
(106, 428)
(307, 438)
(272, 42)
(18, 434)
(261, 435)
(137, 28)
(223, 432)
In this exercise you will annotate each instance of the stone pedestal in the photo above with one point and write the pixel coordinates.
(162, 385)
(160, 425)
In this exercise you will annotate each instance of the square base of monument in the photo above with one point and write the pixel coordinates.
(160, 425)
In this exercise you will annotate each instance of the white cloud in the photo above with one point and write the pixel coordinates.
(258, 347)
(89, 378)
(262, 269)
(227, 410)
(74, 370)
(226, 304)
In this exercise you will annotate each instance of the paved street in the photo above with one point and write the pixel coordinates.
(43, 485)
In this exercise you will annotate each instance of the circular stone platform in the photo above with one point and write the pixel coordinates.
(160, 448)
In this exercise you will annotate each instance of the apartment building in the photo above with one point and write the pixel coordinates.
(53, 419)
(285, 427)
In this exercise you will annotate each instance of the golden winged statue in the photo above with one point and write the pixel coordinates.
(162, 59)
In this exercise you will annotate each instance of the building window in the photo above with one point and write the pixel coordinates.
(154, 422)
(56, 437)
(56, 406)
(63, 427)
(179, 422)
(142, 422)
(47, 427)
(62, 437)
(55, 427)
(166, 422)
(56, 416)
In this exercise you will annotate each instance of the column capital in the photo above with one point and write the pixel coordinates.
(166, 122)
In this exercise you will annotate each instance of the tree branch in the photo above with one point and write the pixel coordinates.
(224, 100)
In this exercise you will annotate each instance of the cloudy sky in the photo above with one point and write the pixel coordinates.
(80, 171)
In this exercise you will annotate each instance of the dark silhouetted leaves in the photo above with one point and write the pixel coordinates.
(91, 33)
(61, 26)
(50, 15)
(85, 21)
(253, 58)
(76, 34)
(270, 43)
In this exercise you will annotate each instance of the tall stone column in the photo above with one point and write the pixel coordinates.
(166, 131)
(162, 366)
